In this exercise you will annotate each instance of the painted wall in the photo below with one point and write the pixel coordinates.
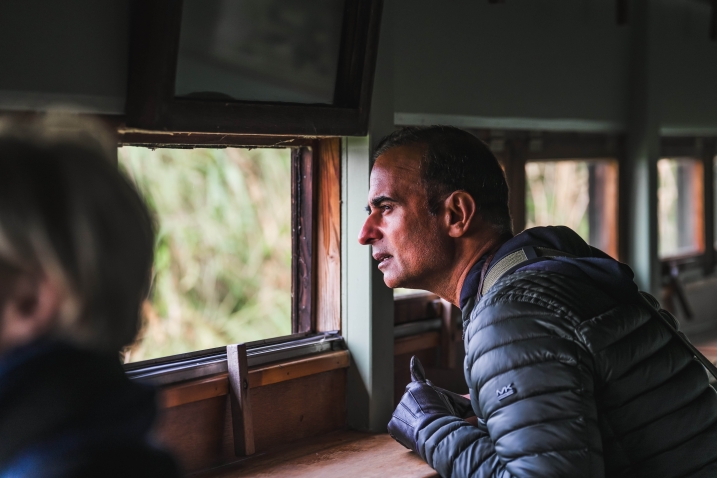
(553, 64)
(64, 52)
(564, 61)
(688, 80)
(555, 59)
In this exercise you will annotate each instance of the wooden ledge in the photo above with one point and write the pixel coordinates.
(218, 385)
(414, 343)
(347, 454)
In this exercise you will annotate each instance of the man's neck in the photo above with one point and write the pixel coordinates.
(473, 253)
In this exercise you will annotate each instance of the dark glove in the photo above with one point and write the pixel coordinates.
(419, 406)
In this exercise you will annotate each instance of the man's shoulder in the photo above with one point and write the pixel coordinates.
(541, 294)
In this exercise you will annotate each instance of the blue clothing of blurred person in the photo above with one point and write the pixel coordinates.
(76, 252)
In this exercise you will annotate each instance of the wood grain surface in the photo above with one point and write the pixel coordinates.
(218, 385)
(200, 435)
(414, 343)
(240, 399)
(345, 454)
(328, 247)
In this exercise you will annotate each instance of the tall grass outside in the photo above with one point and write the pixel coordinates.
(557, 194)
(222, 271)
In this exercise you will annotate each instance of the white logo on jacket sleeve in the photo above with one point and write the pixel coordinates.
(504, 392)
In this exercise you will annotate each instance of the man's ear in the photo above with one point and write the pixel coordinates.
(30, 310)
(460, 210)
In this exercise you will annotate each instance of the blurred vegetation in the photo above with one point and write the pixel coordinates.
(679, 202)
(557, 194)
(223, 255)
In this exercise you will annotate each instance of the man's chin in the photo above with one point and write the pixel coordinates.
(395, 282)
(391, 281)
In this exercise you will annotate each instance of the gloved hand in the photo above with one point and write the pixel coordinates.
(419, 406)
(458, 405)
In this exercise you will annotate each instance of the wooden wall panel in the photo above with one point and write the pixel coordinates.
(195, 433)
(328, 247)
(200, 433)
(416, 307)
(288, 411)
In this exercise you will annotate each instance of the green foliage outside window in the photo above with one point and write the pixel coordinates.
(223, 255)
(557, 194)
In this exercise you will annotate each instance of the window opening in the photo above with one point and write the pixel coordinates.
(579, 194)
(680, 207)
(223, 255)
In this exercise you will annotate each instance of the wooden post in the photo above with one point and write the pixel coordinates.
(242, 424)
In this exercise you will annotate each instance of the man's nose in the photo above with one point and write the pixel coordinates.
(369, 232)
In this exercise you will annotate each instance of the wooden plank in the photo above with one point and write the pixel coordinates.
(302, 224)
(328, 237)
(195, 433)
(567, 146)
(297, 409)
(170, 139)
(414, 307)
(194, 391)
(218, 385)
(242, 423)
(271, 374)
(697, 184)
(200, 434)
(414, 343)
(708, 157)
(347, 454)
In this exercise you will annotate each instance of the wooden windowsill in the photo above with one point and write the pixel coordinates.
(414, 343)
(218, 385)
(348, 454)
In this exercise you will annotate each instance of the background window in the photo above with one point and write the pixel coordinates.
(580, 194)
(680, 207)
(223, 256)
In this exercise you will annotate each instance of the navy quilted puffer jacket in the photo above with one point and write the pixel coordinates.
(569, 378)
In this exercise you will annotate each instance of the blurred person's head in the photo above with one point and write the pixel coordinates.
(76, 240)
(437, 196)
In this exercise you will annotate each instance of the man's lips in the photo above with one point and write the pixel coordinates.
(382, 258)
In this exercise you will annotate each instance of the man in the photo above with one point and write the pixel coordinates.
(570, 372)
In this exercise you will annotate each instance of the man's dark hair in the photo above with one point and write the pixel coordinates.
(455, 160)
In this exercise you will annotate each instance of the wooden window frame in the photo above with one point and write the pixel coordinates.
(152, 105)
(316, 221)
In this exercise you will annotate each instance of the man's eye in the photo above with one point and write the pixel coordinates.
(386, 208)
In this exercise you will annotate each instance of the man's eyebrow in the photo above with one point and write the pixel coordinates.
(376, 202)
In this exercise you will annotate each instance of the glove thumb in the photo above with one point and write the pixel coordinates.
(417, 372)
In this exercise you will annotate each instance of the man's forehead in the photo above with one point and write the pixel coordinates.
(397, 168)
(401, 157)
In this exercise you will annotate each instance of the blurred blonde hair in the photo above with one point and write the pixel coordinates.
(67, 212)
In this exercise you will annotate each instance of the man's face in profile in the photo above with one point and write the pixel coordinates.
(408, 242)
